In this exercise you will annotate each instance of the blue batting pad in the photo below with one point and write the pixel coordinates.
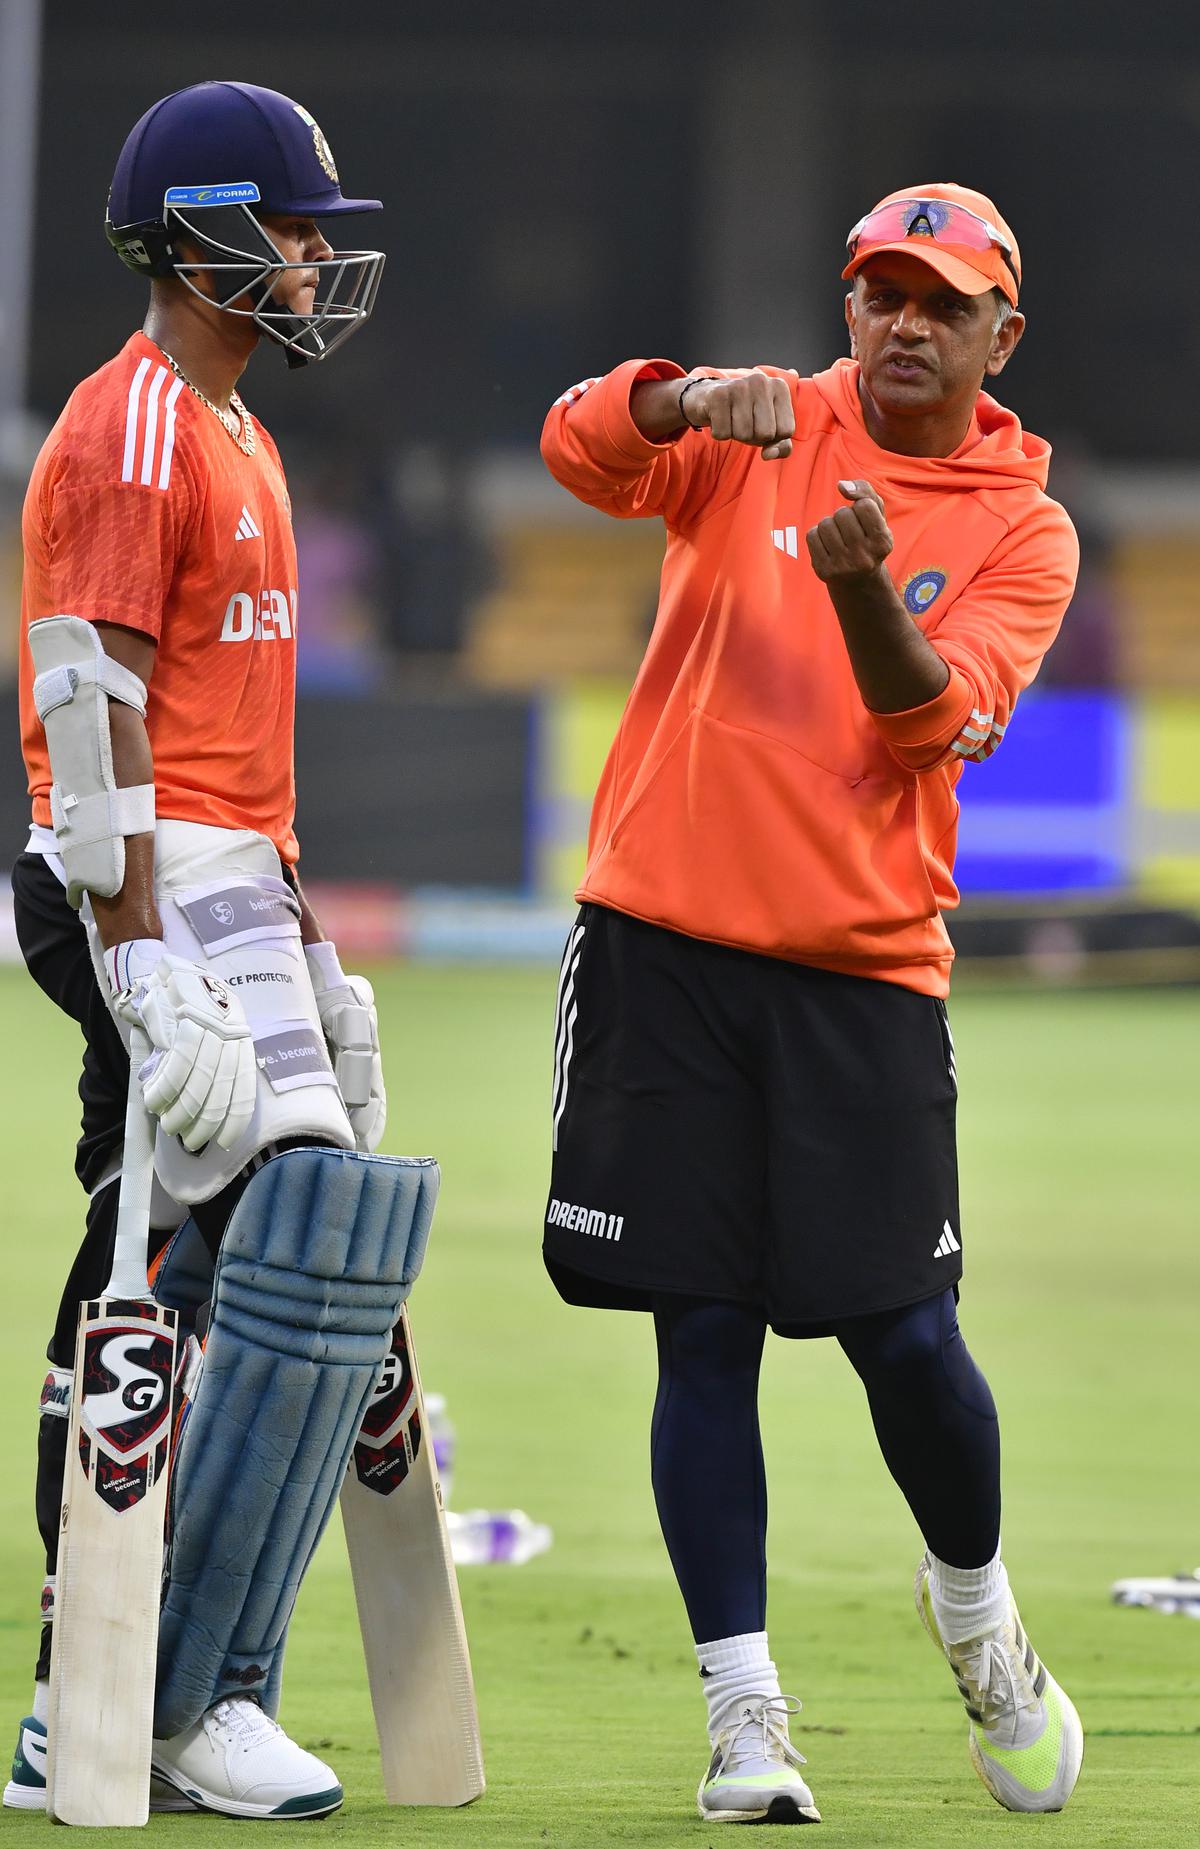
(320, 1253)
(184, 1279)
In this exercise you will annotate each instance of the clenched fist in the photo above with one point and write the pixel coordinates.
(753, 408)
(853, 542)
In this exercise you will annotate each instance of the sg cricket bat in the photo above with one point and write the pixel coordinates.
(110, 1552)
(414, 1639)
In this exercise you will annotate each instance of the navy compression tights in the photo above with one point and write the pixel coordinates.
(933, 1413)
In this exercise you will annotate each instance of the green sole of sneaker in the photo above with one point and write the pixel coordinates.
(311, 1809)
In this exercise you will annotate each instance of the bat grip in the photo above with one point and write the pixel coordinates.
(128, 1278)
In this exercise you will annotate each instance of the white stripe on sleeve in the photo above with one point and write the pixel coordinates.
(156, 385)
(131, 419)
(576, 391)
(164, 467)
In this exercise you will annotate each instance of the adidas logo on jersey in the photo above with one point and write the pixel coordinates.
(269, 618)
(246, 528)
(783, 538)
(947, 1244)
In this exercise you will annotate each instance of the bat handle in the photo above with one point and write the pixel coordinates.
(130, 1252)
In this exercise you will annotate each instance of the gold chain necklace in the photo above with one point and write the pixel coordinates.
(235, 421)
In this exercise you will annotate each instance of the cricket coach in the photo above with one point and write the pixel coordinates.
(754, 1084)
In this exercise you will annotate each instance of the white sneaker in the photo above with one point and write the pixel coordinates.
(26, 1789)
(1026, 1740)
(752, 1776)
(238, 1761)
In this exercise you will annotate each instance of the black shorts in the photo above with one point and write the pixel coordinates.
(736, 1127)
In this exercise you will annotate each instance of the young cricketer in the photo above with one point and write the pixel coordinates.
(158, 888)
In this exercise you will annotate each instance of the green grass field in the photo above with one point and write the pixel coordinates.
(1078, 1124)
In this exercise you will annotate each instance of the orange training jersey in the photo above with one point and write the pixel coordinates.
(143, 511)
(750, 797)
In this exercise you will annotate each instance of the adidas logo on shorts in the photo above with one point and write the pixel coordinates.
(946, 1244)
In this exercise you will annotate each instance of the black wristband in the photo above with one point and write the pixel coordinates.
(687, 386)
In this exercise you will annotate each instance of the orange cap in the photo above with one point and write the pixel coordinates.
(967, 268)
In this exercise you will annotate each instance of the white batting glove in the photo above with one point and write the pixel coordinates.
(200, 1080)
(346, 1005)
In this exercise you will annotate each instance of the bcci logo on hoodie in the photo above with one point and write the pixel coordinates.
(921, 589)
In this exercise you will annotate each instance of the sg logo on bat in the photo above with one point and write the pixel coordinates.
(125, 1406)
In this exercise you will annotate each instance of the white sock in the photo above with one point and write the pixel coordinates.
(733, 1667)
(41, 1702)
(968, 1601)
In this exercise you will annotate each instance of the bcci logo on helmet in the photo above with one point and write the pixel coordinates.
(323, 149)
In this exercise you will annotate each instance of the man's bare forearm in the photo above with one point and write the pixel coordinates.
(654, 408)
(310, 924)
(895, 667)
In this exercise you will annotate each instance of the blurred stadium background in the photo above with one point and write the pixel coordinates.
(567, 186)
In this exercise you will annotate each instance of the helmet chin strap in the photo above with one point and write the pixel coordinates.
(282, 328)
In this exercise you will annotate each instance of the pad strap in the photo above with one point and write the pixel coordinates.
(81, 821)
(58, 686)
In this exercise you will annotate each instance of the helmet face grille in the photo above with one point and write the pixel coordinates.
(239, 269)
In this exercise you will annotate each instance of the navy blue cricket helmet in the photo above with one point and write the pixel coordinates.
(205, 164)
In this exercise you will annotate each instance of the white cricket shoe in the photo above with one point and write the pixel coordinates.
(26, 1789)
(1026, 1740)
(752, 1776)
(236, 1760)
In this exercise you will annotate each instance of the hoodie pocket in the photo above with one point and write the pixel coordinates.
(740, 838)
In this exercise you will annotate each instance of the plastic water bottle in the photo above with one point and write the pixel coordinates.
(441, 1431)
(496, 1537)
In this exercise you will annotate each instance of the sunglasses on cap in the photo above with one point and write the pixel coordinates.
(939, 219)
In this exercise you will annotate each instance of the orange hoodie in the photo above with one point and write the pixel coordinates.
(750, 797)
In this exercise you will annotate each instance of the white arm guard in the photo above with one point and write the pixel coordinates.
(92, 816)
